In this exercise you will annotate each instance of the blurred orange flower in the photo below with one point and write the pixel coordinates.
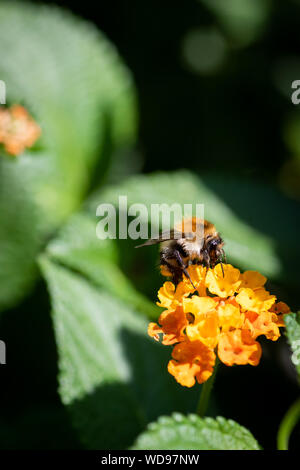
(17, 129)
(223, 314)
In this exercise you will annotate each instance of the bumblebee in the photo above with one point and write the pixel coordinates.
(192, 241)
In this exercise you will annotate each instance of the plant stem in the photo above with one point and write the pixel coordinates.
(287, 425)
(205, 392)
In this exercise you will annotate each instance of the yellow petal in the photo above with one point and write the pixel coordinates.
(223, 285)
(230, 317)
(206, 330)
(166, 295)
(255, 300)
(198, 305)
(252, 280)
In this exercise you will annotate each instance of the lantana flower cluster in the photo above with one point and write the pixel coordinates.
(224, 314)
(18, 129)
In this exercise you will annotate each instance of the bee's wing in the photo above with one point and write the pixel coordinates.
(163, 237)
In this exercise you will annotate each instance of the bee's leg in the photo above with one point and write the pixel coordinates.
(218, 262)
(183, 266)
(176, 272)
(205, 259)
(177, 276)
(224, 256)
(188, 276)
(222, 267)
(179, 259)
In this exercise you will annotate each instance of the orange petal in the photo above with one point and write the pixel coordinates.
(238, 347)
(172, 325)
(191, 360)
(280, 307)
(153, 330)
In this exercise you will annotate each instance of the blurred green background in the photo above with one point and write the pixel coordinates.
(164, 102)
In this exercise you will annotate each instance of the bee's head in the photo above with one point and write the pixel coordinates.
(215, 250)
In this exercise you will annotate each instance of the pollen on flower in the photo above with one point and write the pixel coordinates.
(217, 314)
(18, 130)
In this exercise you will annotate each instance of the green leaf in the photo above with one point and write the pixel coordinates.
(72, 81)
(292, 323)
(262, 249)
(112, 376)
(75, 85)
(20, 238)
(190, 432)
(78, 248)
